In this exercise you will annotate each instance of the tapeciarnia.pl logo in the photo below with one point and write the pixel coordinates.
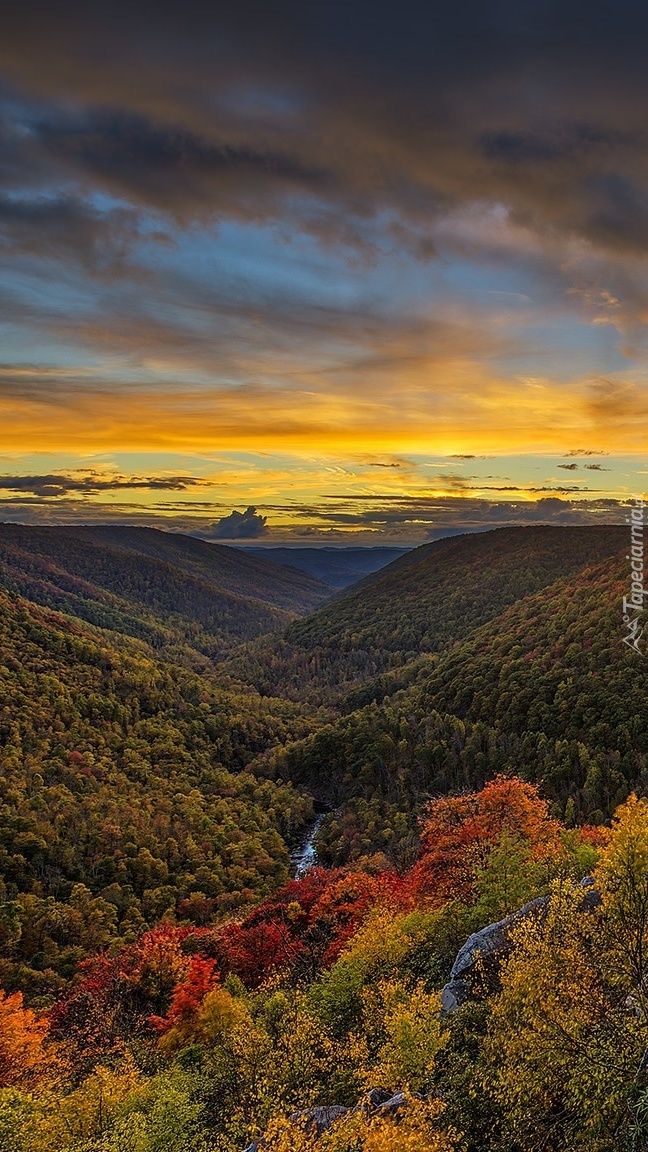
(633, 605)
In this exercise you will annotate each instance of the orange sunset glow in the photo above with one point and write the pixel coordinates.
(248, 283)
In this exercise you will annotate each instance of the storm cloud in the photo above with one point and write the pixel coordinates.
(248, 525)
(239, 109)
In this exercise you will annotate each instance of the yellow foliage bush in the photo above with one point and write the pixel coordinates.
(403, 1024)
(560, 1042)
(415, 1129)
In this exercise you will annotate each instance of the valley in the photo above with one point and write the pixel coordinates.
(234, 800)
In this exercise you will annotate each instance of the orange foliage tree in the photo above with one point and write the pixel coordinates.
(459, 833)
(23, 1054)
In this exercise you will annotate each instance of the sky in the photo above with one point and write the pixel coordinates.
(323, 272)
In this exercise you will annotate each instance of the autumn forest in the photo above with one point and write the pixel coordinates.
(457, 964)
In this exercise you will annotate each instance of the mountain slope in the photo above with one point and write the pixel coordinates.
(424, 602)
(169, 591)
(546, 690)
(122, 792)
(231, 569)
(436, 594)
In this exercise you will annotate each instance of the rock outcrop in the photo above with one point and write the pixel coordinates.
(319, 1119)
(493, 943)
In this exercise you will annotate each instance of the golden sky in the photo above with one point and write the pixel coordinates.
(375, 285)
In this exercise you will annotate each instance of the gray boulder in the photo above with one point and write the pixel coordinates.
(320, 1118)
(494, 941)
(376, 1097)
(393, 1105)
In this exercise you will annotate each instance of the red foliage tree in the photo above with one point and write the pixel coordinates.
(255, 951)
(117, 995)
(199, 978)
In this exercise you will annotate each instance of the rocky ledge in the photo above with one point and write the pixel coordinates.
(319, 1119)
(493, 943)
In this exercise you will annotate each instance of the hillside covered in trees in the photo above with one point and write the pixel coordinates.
(124, 794)
(316, 1021)
(546, 690)
(474, 736)
(175, 592)
(423, 602)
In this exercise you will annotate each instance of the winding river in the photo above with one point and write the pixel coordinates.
(305, 857)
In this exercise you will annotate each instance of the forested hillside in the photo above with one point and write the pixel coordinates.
(546, 690)
(124, 794)
(423, 602)
(437, 594)
(237, 570)
(167, 589)
(475, 732)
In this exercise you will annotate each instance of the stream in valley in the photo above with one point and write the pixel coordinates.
(305, 857)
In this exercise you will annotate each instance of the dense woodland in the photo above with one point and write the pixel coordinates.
(423, 602)
(184, 597)
(476, 742)
(545, 691)
(125, 794)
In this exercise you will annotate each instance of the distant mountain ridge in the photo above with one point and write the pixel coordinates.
(163, 588)
(337, 566)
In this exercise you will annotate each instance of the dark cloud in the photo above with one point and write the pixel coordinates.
(174, 169)
(242, 108)
(463, 484)
(64, 227)
(401, 516)
(246, 525)
(569, 467)
(63, 485)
